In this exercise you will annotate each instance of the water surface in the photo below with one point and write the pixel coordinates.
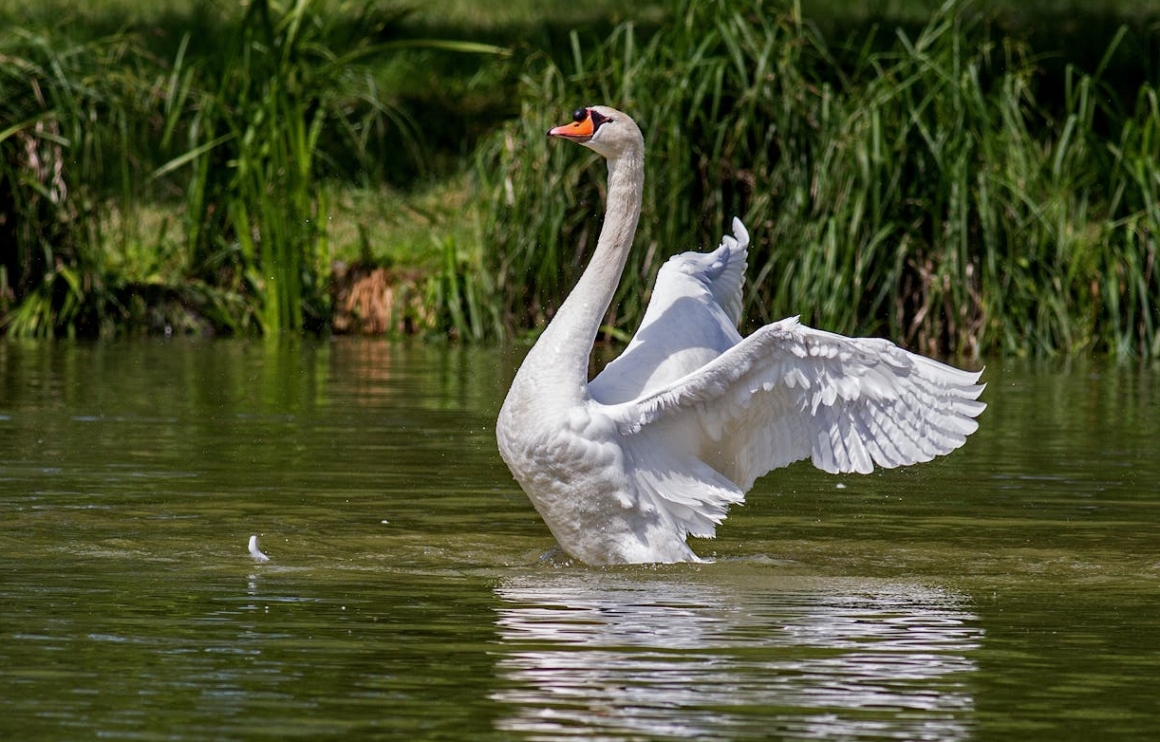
(1009, 591)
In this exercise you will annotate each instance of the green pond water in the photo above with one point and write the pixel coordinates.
(1010, 591)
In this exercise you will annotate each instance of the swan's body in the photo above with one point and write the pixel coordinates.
(655, 448)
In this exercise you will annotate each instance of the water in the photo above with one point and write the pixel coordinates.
(1008, 592)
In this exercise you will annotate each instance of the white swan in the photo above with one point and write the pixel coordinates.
(655, 448)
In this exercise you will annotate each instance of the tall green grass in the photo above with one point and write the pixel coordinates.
(47, 223)
(238, 133)
(251, 123)
(942, 185)
(254, 124)
(913, 187)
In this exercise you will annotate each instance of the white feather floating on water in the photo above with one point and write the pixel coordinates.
(255, 552)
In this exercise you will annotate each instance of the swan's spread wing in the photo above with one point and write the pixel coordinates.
(789, 392)
(690, 320)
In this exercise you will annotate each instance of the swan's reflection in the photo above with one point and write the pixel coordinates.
(609, 656)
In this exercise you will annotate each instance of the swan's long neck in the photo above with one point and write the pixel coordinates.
(563, 349)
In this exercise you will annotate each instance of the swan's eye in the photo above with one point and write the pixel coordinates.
(598, 119)
(579, 114)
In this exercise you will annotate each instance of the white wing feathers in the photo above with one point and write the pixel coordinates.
(788, 392)
(690, 320)
(694, 494)
(723, 270)
(703, 413)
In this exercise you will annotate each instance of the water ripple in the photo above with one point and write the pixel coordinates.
(617, 659)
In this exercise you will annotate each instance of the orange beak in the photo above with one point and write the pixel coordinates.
(580, 130)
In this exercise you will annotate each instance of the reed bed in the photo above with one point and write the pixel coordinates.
(237, 135)
(914, 188)
(46, 225)
(942, 185)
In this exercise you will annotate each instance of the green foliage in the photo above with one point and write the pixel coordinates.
(253, 122)
(940, 183)
(243, 125)
(49, 104)
(915, 189)
(252, 128)
(459, 296)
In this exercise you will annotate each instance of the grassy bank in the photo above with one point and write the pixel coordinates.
(969, 181)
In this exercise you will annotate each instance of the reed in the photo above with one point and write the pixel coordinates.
(944, 185)
(245, 125)
(47, 219)
(914, 188)
(252, 120)
(293, 100)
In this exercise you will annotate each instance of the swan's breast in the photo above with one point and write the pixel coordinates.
(553, 448)
(580, 475)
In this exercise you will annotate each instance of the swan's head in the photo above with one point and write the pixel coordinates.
(605, 130)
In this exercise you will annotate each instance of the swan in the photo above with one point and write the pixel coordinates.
(624, 467)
